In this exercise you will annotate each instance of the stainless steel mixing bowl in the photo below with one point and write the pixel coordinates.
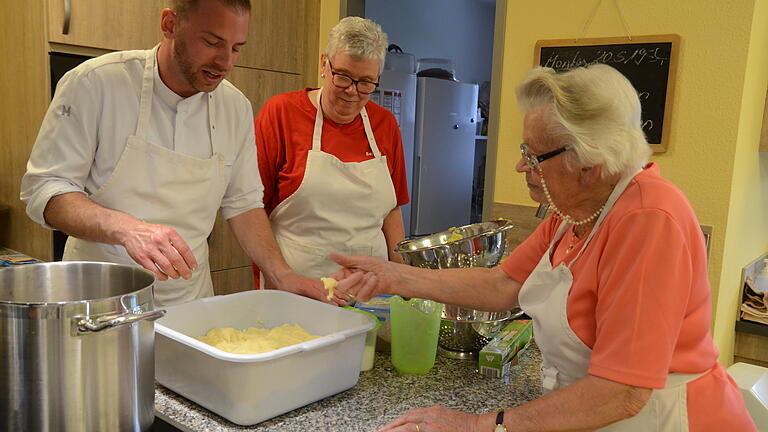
(463, 332)
(481, 245)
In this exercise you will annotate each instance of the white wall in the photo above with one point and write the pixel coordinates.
(460, 30)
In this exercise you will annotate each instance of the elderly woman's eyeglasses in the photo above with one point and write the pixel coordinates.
(341, 80)
(533, 160)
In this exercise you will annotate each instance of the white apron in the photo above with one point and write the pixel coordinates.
(566, 358)
(339, 207)
(160, 186)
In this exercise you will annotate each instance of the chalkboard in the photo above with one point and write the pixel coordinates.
(649, 62)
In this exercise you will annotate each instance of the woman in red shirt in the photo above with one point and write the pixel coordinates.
(615, 280)
(332, 162)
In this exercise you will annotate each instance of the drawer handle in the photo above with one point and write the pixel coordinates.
(67, 15)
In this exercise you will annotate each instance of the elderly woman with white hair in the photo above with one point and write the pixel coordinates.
(615, 280)
(332, 161)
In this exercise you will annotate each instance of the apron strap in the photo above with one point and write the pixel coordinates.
(615, 194)
(318, 132)
(369, 134)
(147, 87)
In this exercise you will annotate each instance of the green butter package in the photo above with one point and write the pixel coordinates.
(495, 358)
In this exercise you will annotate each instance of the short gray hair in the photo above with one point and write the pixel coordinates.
(361, 38)
(596, 110)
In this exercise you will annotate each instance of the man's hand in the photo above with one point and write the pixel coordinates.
(159, 249)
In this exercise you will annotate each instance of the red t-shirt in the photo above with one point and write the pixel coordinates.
(284, 129)
(641, 298)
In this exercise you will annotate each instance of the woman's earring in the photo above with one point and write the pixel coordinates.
(322, 75)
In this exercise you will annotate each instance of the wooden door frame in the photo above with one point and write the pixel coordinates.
(494, 120)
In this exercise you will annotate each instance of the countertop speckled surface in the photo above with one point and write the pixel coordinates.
(380, 395)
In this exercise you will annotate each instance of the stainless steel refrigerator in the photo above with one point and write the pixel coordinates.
(437, 120)
(397, 93)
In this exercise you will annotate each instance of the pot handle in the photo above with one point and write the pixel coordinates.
(85, 325)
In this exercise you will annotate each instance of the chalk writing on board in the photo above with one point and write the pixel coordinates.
(645, 64)
(638, 56)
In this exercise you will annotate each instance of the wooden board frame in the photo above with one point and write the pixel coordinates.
(674, 39)
(763, 147)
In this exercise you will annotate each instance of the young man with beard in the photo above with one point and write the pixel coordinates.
(139, 149)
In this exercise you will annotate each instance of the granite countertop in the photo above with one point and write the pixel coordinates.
(381, 395)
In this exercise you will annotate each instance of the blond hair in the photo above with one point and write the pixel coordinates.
(594, 109)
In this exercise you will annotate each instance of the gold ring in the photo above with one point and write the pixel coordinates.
(417, 428)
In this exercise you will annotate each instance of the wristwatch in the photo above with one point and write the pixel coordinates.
(500, 423)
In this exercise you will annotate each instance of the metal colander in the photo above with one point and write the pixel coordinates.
(463, 332)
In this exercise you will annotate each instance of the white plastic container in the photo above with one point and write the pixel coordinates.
(369, 352)
(250, 388)
(753, 382)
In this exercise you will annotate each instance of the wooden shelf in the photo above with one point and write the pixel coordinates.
(752, 328)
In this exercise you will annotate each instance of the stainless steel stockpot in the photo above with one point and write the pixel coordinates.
(76, 347)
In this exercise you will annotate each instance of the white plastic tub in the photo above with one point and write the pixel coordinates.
(250, 388)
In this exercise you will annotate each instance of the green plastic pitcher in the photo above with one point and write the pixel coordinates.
(415, 327)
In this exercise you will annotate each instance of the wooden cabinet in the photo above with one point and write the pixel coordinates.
(276, 38)
(277, 35)
(232, 280)
(223, 250)
(259, 85)
(751, 345)
(106, 24)
(25, 100)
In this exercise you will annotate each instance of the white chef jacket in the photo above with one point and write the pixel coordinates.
(98, 101)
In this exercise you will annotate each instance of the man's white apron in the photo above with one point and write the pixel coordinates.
(160, 186)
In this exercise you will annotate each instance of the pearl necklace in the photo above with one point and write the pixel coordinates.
(562, 215)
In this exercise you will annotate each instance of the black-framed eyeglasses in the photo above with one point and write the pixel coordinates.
(533, 160)
(341, 80)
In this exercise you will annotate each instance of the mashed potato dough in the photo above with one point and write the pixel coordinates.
(256, 340)
(455, 234)
(329, 284)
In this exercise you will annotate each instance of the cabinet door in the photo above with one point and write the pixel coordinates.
(223, 250)
(281, 36)
(259, 85)
(276, 36)
(112, 25)
(232, 280)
